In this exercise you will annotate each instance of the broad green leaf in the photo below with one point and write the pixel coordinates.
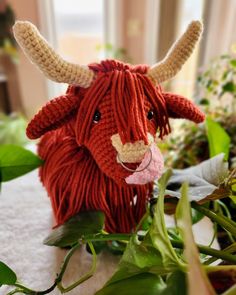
(195, 271)
(158, 231)
(84, 223)
(16, 161)
(141, 284)
(139, 257)
(174, 285)
(7, 275)
(218, 139)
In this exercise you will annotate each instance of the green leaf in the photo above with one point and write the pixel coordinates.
(158, 231)
(196, 216)
(233, 63)
(218, 139)
(7, 275)
(175, 284)
(229, 87)
(195, 271)
(141, 284)
(204, 101)
(84, 223)
(139, 257)
(155, 253)
(16, 161)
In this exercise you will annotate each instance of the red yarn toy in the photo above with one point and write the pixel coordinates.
(99, 139)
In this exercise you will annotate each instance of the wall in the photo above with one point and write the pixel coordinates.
(32, 84)
(132, 28)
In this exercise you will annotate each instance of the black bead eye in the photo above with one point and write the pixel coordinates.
(150, 115)
(96, 117)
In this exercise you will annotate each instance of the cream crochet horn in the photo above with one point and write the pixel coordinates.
(48, 61)
(177, 55)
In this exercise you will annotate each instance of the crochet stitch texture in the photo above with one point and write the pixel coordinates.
(111, 110)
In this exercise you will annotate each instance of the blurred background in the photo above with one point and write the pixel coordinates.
(135, 31)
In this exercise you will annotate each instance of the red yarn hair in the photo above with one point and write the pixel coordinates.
(80, 170)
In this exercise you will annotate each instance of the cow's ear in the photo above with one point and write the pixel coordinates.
(53, 115)
(182, 108)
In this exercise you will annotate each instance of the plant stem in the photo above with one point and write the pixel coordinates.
(225, 222)
(16, 291)
(105, 237)
(208, 251)
(230, 249)
(83, 278)
(141, 221)
(24, 290)
(177, 244)
(66, 261)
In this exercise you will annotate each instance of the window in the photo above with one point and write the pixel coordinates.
(79, 26)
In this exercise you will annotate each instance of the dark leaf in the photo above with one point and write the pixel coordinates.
(16, 161)
(70, 232)
(141, 284)
(196, 216)
(175, 284)
(229, 87)
(7, 275)
(204, 101)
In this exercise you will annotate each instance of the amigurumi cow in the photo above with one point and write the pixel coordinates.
(99, 140)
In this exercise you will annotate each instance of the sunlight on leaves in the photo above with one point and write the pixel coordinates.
(218, 139)
(16, 161)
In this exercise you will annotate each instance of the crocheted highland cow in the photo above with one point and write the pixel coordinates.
(98, 140)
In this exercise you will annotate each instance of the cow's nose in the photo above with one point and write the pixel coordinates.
(131, 152)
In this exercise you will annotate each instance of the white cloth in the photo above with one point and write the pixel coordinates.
(25, 220)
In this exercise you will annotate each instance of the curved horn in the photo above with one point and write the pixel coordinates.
(177, 55)
(48, 61)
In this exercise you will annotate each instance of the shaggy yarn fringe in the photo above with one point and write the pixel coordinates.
(80, 171)
(76, 184)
